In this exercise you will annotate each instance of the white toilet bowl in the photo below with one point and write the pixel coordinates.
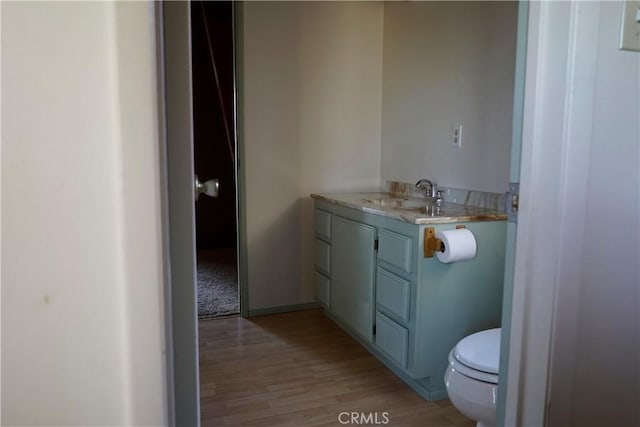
(472, 376)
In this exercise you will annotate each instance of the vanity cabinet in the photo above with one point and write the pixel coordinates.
(344, 271)
(352, 278)
(322, 256)
(409, 311)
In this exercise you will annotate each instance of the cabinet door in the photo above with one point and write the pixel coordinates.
(322, 289)
(352, 278)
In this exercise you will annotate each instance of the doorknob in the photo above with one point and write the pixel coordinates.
(210, 188)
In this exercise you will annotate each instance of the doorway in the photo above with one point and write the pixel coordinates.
(215, 158)
(178, 317)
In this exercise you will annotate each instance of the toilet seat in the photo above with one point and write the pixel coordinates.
(478, 356)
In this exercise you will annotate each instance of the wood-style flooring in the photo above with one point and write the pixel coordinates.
(300, 369)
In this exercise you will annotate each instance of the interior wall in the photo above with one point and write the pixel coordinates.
(82, 327)
(448, 63)
(311, 111)
(607, 380)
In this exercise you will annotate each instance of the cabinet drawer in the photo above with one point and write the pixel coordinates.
(322, 255)
(322, 224)
(392, 339)
(322, 289)
(393, 293)
(395, 249)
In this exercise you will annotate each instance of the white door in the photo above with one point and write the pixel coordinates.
(184, 384)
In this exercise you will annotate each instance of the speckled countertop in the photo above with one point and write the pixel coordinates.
(410, 209)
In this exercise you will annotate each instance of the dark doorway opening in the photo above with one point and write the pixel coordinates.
(215, 157)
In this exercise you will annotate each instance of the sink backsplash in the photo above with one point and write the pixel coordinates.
(481, 199)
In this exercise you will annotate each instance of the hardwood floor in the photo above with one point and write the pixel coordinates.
(300, 369)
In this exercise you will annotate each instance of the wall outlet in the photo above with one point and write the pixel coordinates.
(456, 140)
(630, 26)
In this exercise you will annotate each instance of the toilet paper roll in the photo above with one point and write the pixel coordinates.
(459, 245)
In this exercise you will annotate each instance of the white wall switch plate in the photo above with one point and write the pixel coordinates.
(630, 26)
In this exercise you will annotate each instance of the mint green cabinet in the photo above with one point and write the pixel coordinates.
(393, 295)
(322, 288)
(396, 250)
(407, 310)
(322, 256)
(392, 339)
(352, 276)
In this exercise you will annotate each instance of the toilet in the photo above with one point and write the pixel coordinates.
(472, 376)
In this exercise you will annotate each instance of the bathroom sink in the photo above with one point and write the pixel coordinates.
(396, 203)
(411, 204)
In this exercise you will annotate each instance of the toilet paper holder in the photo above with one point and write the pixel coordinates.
(431, 243)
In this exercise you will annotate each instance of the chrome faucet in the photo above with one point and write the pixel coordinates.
(431, 190)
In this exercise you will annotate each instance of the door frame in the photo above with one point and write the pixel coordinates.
(556, 140)
(178, 207)
(178, 211)
(551, 167)
(514, 178)
(241, 180)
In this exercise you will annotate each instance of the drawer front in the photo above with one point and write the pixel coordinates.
(322, 255)
(392, 339)
(322, 289)
(395, 249)
(322, 224)
(393, 293)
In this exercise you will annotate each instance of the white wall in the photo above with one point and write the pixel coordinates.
(311, 110)
(446, 63)
(82, 328)
(607, 377)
